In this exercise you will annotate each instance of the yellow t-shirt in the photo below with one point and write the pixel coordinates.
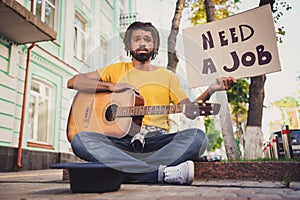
(158, 87)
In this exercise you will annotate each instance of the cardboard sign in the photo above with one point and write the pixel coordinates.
(243, 45)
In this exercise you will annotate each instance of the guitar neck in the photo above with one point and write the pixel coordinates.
(201, 109)
(148, 110)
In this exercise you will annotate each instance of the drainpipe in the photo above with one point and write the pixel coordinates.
(31, 6)
(21, 132)
(19, 158)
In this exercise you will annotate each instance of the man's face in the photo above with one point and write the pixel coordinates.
(141, 45)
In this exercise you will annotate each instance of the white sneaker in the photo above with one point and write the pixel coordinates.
(182, 174)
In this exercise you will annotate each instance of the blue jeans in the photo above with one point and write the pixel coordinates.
(159, 151)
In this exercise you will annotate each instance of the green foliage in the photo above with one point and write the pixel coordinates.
(223, 9)
(213, 135)
(277, 8)
(287, 179)
(286, 102)
(238, 146)
(238, 97)
(289, 107)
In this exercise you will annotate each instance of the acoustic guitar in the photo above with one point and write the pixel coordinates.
(120, 113)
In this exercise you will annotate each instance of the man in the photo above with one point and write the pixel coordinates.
(163, 157)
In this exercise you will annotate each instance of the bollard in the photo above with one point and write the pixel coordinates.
(270, 149)
(267, 150)
(275, 146)
(286, 141)
(263, 151)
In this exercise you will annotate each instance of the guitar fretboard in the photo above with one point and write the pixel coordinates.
(200, 109)
(147, 110)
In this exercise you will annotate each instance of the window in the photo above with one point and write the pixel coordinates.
(79, 37)
(46, 11)
(104, 51)
(40, 112)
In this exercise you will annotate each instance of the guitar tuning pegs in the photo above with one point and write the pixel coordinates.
(202, 112)
(200, 101)
(211, 111)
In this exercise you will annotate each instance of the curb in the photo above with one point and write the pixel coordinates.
(250, 171)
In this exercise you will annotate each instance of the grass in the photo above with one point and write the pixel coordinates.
(287, 179)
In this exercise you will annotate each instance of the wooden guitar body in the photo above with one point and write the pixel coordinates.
(96, 112)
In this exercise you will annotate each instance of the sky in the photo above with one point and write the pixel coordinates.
(278, 85)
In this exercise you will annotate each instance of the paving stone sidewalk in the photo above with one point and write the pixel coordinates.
(48, 184)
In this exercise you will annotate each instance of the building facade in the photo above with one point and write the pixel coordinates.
(42, 44)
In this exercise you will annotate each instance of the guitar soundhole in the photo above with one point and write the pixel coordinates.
(110, 114)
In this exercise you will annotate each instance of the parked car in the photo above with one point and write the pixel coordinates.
(295, 143)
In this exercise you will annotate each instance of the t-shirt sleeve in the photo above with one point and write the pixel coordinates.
(112, 73)
(105, 73)
(177, 94)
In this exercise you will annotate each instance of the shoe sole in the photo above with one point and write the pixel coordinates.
(190, 177)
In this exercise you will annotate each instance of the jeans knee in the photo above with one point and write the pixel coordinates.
(199, 135)
(200, 141)
(204, 144)
(76, 142)
(80, 149)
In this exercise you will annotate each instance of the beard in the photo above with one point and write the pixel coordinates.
(142, 57)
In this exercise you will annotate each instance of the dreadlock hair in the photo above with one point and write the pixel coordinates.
(146, 26)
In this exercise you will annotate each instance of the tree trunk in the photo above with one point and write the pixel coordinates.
(172, 56)
(256, 98)
(254, 135)
(210, 10)
(225, 117)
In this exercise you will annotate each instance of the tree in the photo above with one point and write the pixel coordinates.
(229, 141)
(254, 135)
(225, 117)
(172, 57)
(289, 111)
(238, 97)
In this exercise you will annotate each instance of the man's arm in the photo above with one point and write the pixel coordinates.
(223, 83)
(92, 82)
(89, 82)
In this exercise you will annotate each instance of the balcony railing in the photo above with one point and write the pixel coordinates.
(127, 19)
